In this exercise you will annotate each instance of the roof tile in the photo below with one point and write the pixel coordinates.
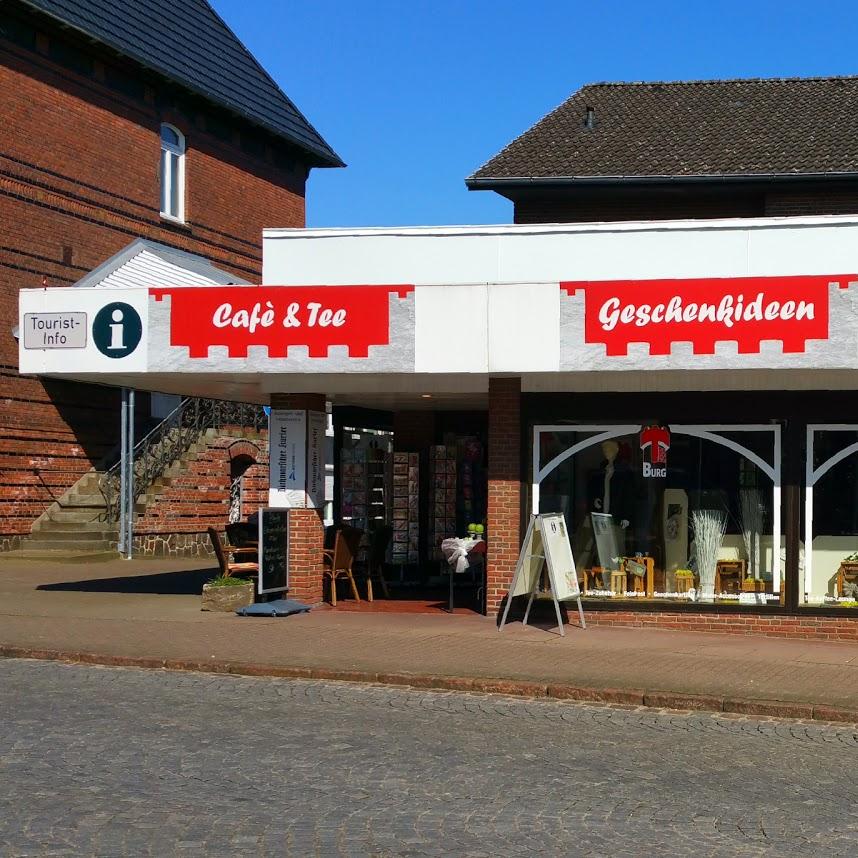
(691, 128)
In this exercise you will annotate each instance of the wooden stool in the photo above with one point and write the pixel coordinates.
(618, 583)
(732, 571)
(684, 583)
(593, 578)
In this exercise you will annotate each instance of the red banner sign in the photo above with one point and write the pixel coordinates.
(744, 310)
(317, 317)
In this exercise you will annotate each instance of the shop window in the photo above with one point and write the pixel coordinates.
(829, 569)
(172, 173)
(670, 512)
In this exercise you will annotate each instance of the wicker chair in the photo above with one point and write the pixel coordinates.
(340, 559)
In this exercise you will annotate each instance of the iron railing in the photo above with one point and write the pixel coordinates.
(173, 437)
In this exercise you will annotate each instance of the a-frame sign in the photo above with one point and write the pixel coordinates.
(546, 544)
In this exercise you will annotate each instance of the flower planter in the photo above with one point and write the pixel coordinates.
(752, 585)
(228, 599)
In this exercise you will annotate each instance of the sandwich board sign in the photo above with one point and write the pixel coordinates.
(546, 544)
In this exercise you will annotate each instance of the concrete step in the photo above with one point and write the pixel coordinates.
(71, 524)
(73, 535)
(60, 547)
(75, 515)
(61, 556)
(77, 499)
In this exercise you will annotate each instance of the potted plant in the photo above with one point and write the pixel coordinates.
(228, 594)
(753, 585)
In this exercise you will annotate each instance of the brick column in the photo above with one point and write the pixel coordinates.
(306, 529)
(503, 523)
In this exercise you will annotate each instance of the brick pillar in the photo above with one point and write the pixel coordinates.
(306, 528)
(503, 523)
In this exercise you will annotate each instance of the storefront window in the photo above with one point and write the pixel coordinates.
(667, 512)
(830, 569)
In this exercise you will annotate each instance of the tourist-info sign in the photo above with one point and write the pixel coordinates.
(546, 545)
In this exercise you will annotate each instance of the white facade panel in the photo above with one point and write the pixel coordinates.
(451, 333)
(524, 328)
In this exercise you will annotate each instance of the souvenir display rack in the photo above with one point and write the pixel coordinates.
(406, 502)
(442, 497)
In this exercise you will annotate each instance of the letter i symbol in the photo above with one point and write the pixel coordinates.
(117, 342)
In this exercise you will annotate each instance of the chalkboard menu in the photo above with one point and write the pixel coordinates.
(273, 550)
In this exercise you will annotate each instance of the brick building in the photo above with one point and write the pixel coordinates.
(699, 149)
(668, 366)
(125, 122)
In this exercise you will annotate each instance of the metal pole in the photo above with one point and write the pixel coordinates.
(123, 450)
(129, 505)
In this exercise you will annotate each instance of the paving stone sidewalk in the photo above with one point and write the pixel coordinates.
(106, 762)
(148, 611)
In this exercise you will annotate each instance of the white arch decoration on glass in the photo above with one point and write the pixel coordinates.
(811, 478)
(706, 433)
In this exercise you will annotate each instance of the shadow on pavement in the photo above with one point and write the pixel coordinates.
(186, 582)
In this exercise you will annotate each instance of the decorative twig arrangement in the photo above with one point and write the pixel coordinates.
(753, 518)
(708, 526)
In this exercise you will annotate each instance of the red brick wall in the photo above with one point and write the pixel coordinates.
(503, 524)
(78, 182)
(810, 627)
(811, 203)
(576, 209)
(198, 497)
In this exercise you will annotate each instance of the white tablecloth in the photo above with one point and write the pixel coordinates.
(455, 551)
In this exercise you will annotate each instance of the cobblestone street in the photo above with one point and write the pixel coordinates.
(100, 761)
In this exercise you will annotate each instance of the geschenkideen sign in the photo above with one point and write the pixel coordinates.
(546, 546)
(703, 312)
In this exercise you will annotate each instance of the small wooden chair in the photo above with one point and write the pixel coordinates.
(340, 559)
(223, 552)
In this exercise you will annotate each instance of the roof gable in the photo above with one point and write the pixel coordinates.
(147, 263)
(188, 42)
(788, 126)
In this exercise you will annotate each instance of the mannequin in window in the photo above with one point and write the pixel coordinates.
(611, 491)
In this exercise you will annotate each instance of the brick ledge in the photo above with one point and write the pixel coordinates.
(510, 687)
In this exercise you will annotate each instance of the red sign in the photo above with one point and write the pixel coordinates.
(703, 312)
(317, 317)
(655, 441)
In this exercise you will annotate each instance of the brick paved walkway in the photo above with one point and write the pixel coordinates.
(107, 762)
(150, 609)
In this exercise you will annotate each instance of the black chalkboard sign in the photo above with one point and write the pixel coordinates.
(273, 550)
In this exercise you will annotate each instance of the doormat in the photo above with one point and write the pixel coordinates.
(275, 608)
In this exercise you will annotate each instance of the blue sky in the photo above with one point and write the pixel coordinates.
(414, 96)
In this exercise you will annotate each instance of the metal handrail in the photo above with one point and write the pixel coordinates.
(171, 438)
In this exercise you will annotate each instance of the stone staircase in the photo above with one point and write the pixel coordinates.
(80, 524)
(76, 523)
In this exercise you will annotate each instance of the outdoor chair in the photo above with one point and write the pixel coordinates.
(340, 559)
(375, 559)
(229, 567)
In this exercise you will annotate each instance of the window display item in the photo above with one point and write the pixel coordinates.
(406, 500)
(708, 526)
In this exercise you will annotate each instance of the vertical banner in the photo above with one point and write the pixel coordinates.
(287, 463)
(317, 424)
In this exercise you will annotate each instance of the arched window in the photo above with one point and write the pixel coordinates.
(172, 173)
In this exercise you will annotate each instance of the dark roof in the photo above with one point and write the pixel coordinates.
(718, 128)
(188, 42)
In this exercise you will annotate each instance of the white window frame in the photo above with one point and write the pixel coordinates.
(707, 433)
(811, 478)
(167, 178)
